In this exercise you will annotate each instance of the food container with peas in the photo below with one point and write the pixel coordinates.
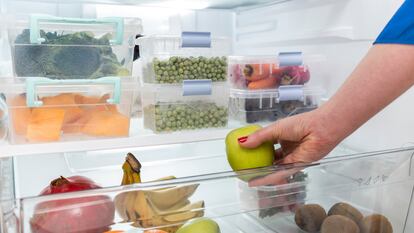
(266, 106)
(191, 56)
(269, 72)
(175, 107)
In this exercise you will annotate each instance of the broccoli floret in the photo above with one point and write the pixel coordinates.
(59, 56)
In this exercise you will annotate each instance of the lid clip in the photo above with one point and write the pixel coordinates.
(196, 39)
(290, 59)
(197, 87)
(290, 93)
(32, 83)
(36, 19)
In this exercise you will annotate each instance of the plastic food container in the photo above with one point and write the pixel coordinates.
(286, 197)
(46, 110)
(172, 59)
(73, 48)
(367, 181)
(267, 72)
(264, 106)
(174, 107)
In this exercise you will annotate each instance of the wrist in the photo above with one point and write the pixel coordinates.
(333, 124)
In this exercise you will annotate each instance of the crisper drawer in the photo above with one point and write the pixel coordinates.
(258, 200)
(73, 48)
(45, 110)
(189, 106)
(172, 59)
(267, 106)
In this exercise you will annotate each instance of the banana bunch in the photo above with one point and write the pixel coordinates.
(167, 208)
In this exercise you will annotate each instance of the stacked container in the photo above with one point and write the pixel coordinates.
(184, 81)
(268, 88)
(73, 78)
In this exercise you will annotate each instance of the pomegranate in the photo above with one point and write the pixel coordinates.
(294, 75)
(89, 214)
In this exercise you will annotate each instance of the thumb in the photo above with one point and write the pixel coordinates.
(270, 133)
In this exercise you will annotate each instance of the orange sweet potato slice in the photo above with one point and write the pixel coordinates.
(106, 124)
(45, 124)
(95, 101)
(82, 99)
(76, 126)
(20, 113)
(67, 102)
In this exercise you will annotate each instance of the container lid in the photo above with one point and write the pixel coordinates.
(276, 59)
(182, 45)
(35, 88)
(178, 38)
(46, 29)
(187, 88)
(283, 93)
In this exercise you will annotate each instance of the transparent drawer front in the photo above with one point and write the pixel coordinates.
(260, 200)
(61, 112)
(266, 106)
(66, 48)
(164, 60)
(166, 109)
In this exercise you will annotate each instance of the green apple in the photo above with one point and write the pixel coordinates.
(242, 158)
(200, 225)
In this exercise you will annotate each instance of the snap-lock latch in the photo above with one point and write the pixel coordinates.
(196, 39)
(197, 87)
(290, 59)
(289, 93)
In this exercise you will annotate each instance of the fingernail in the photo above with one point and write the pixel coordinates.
(242, 139)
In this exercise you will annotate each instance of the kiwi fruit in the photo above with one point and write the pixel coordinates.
(375, 223)
(339, 224)
(346, 210)
(310, 217)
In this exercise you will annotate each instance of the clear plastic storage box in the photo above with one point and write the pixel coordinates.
(264, 106)
(45, 110)
(238, 202)
(168, 108)
(170, 59)
(73, 48)
(267, 72)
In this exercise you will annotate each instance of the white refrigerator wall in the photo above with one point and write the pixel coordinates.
(338, 33)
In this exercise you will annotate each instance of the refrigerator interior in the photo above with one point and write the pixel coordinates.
(335, 34)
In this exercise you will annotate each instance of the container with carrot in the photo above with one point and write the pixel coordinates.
(256, 73)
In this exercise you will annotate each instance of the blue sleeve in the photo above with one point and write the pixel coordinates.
(400, 29)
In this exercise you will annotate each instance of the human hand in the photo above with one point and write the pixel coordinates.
(303, 138)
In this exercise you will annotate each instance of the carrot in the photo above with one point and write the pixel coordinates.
(276, 72)
(254, 72)
(263, 84)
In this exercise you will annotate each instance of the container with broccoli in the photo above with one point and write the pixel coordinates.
(68, 48)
